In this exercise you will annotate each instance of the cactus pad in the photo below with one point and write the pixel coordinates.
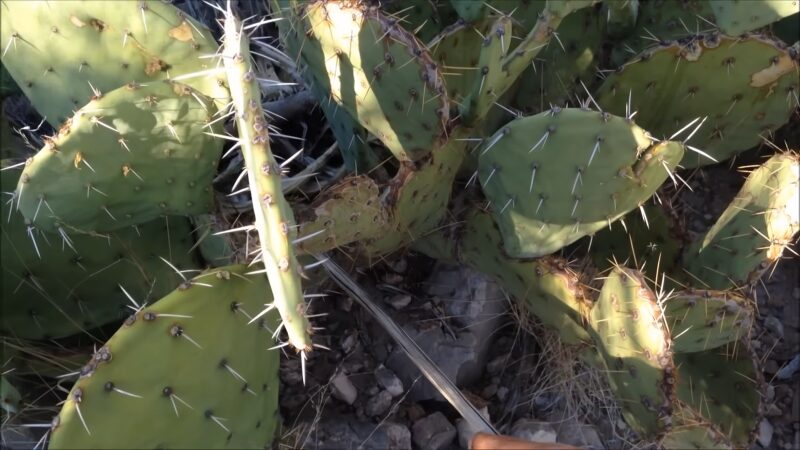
(751, 234)
(546, 287)
(755, 91)
(377, 71)
(52, 291)
(691, 432)
(703, 320)
(137, 153)
(99, 45)
(349, 211)
(557, 176)
(186, 372)
(629, 332)
(738, 17)
(724, 386)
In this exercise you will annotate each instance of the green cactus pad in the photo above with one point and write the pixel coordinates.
(58, 291)
(376, 70)
(459, 67)
(10, 398)
(690, 431)
(546, 287)
(662, 20)
(754, 93)
(216, 249)
(751, 234)
(653, 246)
(557, 176)
(349, 211)
(704, 320)
(491, 80)
(187, 372)
(135, 154)
(424, 18)
(417, 197)
(724, 386)
(629, 332)
(58, 51)
(738, 17)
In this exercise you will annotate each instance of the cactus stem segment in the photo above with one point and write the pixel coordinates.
(274, 217)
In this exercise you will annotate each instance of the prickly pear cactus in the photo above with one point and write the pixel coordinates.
(56, 285)
(61, 52)
(274, 218)
(127, 157)
(546, 286)
(704, 320)
(348, 212)
(725, 387)
(374, 69)
(749, 237)
(691, 431)
(755, 91)
(738, 17)
(557, 176)
(629, 332)
(188, 371)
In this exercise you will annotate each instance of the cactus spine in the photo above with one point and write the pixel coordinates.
(274, 217)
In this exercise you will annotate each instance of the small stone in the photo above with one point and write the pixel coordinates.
(496, 364)
(349, 342)
(343, 389)
(771, 367)
(534, 431)
(415, 412)
(789, 369)
(774, 325)
(389, 381)
(399, 302)
(378, 404)
(433, 432)
(393, 279)
(796, 293)
(465, 430)
(400, 266)
(502, 393)
(765, 433)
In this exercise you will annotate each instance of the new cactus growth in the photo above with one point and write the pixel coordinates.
(750, 236)
(274, 217)
(127, 157)
(189, 371)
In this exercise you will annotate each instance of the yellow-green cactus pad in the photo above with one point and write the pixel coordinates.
(704, 320)
(189, 371)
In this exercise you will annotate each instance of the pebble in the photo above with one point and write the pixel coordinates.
(502, 393)
(773, 411)
(765, 433)
(433, 432)
(534, 431)
(378, 404)
(774, 325)
(399, 302)
(343, 388)
(389, 381)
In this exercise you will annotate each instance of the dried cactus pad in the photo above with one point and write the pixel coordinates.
(58, 52)
(186, 372)
(754, 91)
(557, 176)
(377, 71)
(749, 237)
(137, 153)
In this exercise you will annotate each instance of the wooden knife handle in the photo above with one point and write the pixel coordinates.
(484, 441)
